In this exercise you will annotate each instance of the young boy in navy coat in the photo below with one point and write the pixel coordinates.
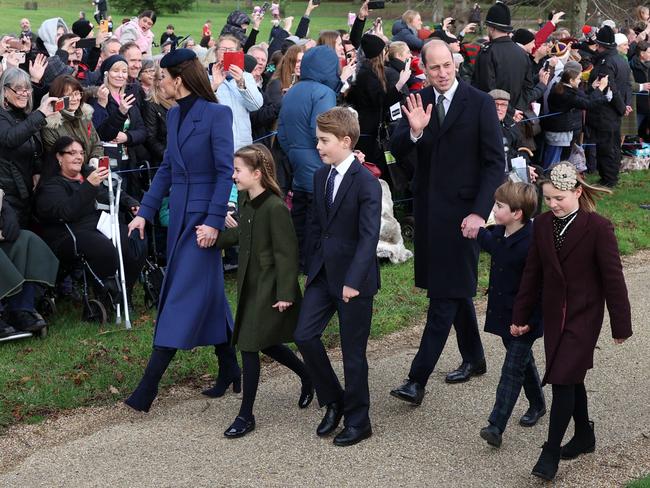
(508, 243)
(342, 276)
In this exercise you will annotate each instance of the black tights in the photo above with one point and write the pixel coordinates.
(568, 401)
(251, 367)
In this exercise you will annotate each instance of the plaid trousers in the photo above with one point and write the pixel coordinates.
(518, 370)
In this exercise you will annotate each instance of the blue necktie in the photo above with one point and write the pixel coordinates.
(329, 188)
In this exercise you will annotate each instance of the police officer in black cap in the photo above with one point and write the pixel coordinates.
(604, 120)
(501, 64)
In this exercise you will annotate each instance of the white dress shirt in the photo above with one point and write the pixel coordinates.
(449, 96)
(341, 169)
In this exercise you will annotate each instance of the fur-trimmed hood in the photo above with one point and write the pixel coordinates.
(85, 112)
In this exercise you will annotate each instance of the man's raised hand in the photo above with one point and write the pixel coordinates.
(416, 114)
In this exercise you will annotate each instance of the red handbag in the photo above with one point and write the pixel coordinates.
(373, 168)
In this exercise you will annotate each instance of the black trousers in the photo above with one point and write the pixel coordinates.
(518, 371)
(318, 307)
(101, 254)
(300, 215)
(442, 313)
(608, 155)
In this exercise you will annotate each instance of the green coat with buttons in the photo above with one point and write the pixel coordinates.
(267, 273)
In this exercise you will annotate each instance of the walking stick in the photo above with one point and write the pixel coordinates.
(114, 205)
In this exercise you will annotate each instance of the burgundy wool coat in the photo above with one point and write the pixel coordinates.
(575, 284)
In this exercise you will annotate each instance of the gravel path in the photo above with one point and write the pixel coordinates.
(180, 443)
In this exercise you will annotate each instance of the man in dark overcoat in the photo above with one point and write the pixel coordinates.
(460, 161)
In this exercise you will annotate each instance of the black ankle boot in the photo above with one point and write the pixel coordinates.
(582, 443)
(229, 372)
(146, 391)
(548, 462)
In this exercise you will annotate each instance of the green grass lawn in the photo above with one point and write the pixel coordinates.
(640, 483)
(84, 364)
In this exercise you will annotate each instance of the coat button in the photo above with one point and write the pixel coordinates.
(326, 236)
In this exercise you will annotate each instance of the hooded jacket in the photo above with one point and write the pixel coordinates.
(78, 124)
(234, 24)
(131, 32)
(47, 33)
(314, 94)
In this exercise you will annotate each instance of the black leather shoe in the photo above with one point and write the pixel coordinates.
(547, 464)
(531, 416)
(352, 435)
(240, 427)
(410, 391)
(465, 371)
(25, 321)
(306, 395)
(492, 435)
(331, 420)
(580, 444)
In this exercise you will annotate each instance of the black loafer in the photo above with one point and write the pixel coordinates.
(531, 416)
(331, 420)
(306, 396)
(465, 371)
(352, 435)
(24, 320)
(240, 427)
(411, 392)
(492, 435)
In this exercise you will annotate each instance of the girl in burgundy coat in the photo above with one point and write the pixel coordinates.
(574, 261)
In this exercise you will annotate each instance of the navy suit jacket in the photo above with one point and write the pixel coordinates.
(344, 239)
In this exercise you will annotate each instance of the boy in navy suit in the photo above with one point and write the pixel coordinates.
(508, 243)
(342, 276)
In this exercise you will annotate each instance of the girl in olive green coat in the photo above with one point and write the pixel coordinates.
(268, 292)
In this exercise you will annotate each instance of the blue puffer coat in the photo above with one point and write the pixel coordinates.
(313, 95)
(402, 32)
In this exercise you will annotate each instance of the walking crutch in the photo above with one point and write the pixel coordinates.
(114, 207)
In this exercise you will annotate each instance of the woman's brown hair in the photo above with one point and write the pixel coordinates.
(287, 66)
(258, 157)
(62, 82)
(195, 78)
(376, 65)
(328, 38)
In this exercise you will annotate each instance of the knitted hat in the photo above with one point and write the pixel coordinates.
(523, 36)
(498, 16)
(82, 28)
(108, 63)
(174, 58)
(372, 45)
(605, 37)
(620, 39)
(499, 95)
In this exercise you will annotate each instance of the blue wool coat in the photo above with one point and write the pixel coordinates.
(196, 173)
(506, 267)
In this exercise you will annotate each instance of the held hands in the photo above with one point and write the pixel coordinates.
(139, 224)
(282, 306)
(348, 293)
(518, 116)
(206, 236)
(257, 20)
(37, 68)
(471, 225)
(471, 27)
(417, 116)
(404, 76)
(97, 176)
(237, 73)
(544, 76)
(348, 70)
(69, 45)
(360, 156)
(518, 331)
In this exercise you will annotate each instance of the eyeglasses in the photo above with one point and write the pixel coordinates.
(19, 91)
(75, 94)
(227, 49)
(74, 153)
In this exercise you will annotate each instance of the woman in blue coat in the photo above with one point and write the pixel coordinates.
(196, 174)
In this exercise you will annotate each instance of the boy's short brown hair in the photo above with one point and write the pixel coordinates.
(341, 122)
(518, 196)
